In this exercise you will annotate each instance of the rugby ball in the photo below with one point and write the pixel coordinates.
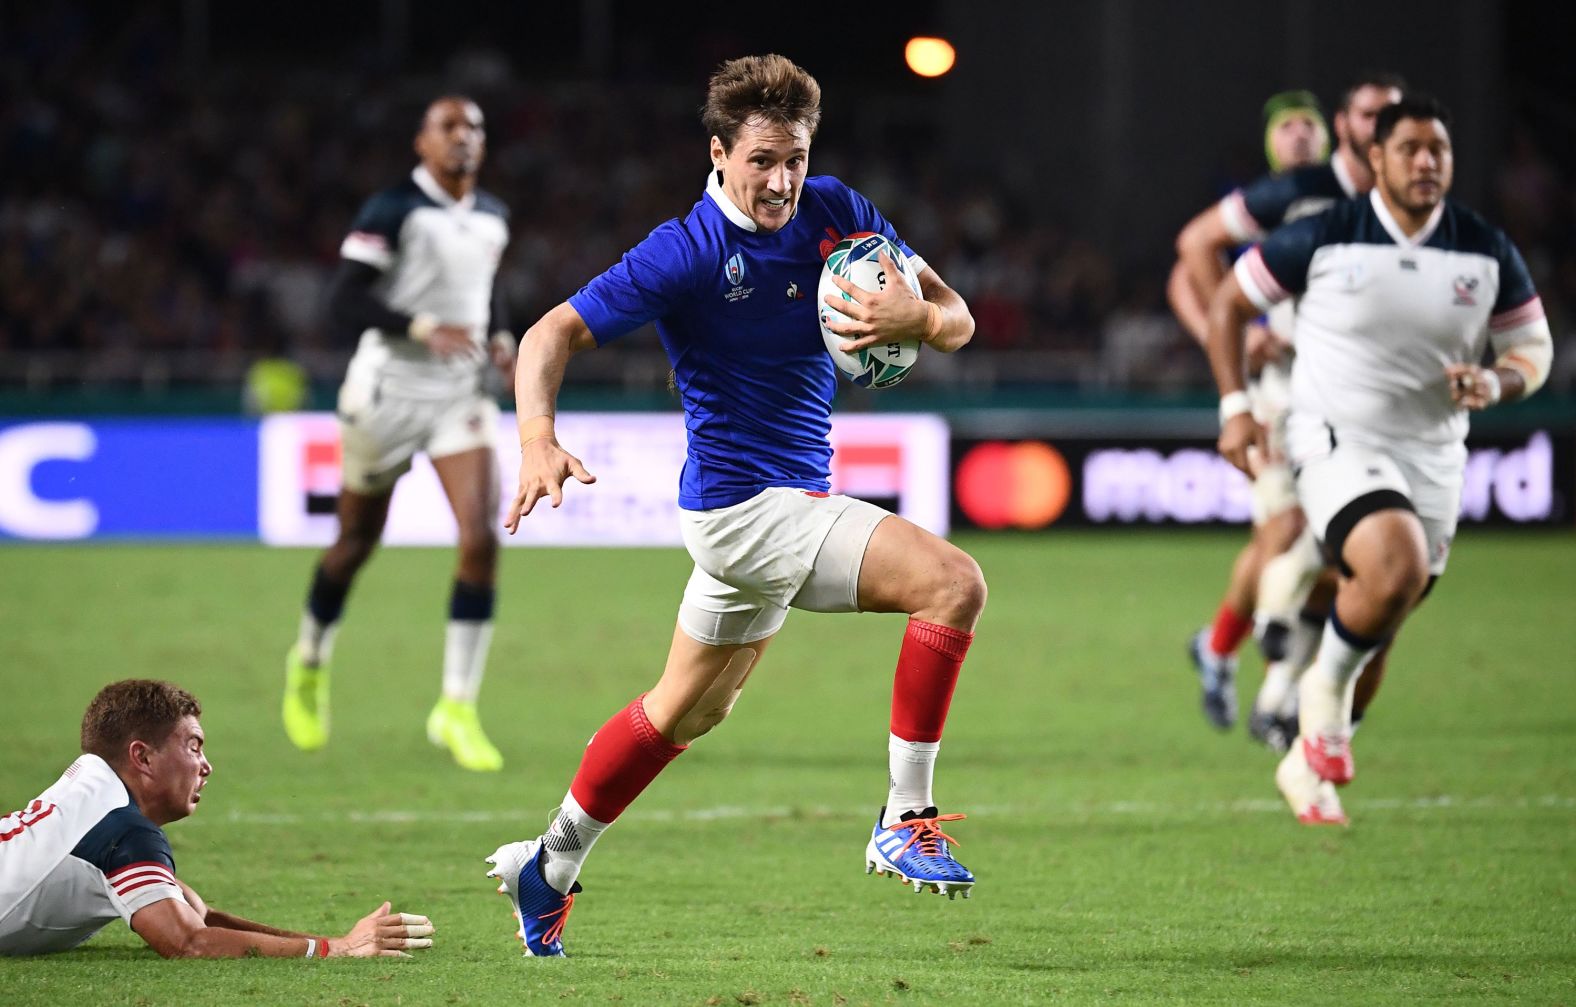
(857, 259)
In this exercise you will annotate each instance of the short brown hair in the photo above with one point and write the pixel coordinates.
(131, 710)
(769, 87)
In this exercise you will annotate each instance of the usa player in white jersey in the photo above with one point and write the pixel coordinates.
(417, 285)
(91, 848)
(1274, 571)
(724, 287)
(1401, 295)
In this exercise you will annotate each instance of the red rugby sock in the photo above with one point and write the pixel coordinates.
(621, 761)
(1230, 630)
(927, 672)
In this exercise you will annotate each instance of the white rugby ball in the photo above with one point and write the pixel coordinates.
(857, 259)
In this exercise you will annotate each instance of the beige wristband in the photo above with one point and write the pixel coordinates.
(934, 322)
(535, 428)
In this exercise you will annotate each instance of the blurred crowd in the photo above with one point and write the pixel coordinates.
(149, 227)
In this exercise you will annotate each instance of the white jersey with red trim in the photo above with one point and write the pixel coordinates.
(438, 256)
(75, 858)
(1381, 314)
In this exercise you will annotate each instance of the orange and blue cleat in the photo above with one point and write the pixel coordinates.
(916, 850)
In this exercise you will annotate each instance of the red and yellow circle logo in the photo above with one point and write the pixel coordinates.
(1025, 485)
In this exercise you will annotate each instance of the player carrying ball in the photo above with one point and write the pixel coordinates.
(722, 286)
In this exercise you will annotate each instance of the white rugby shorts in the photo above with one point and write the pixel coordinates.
(782, 548)
(380, 433)
(1337, 471)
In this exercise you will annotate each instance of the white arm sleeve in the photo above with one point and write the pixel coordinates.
(1522, 342)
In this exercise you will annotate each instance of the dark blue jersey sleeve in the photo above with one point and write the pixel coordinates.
(648, 283)
(374, 234)
(1277, 267)
(1268, 198)
(124, 838)
(1515, 282)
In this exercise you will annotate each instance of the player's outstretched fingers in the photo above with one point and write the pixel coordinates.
(579, 471)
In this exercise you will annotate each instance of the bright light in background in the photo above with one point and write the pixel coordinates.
(929, 57)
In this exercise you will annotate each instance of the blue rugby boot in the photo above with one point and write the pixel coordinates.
(916, 850)
(539, 908)
(1217, 679)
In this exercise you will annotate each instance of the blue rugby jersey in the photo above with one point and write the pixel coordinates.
(1265, 204)
(736, 311)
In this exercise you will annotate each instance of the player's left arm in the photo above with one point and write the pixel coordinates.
(1519, 332)
(215, 918)
(940, 318)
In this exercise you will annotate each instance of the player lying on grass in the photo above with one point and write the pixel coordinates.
(92, 847)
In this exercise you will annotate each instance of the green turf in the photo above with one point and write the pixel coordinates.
(1126, 851)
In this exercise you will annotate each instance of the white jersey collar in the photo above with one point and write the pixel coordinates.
(1343, 176)
(725, 203)
(435, 192)
(1394, 229)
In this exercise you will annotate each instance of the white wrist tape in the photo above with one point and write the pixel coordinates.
(1491, 386)
(311, 947)
(1234, 404)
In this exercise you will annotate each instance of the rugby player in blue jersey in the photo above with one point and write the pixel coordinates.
(723, 287)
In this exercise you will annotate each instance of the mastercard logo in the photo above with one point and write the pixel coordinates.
(1024, 485)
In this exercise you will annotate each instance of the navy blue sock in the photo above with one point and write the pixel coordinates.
(326, 600)
(471, 602)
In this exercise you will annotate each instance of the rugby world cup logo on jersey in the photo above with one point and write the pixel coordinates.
(1466, 290)
(733, 271)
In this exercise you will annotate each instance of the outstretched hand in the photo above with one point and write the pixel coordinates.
(382, 933)
(544, 469)
(891, 314)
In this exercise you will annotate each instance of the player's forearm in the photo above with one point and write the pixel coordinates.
(545, 350)
(1229, 312)
(223, 942)
(1512, 384)
(353, 306)
(953, 323)
(216, 918)
(1201, 259)
(1187, 305)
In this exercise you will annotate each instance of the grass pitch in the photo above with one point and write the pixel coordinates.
(1126, 851)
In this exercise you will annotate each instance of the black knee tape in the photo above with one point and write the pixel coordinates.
(1433, 579)
(1346, 519)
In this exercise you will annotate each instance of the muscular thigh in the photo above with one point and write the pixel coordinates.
(905, 567)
